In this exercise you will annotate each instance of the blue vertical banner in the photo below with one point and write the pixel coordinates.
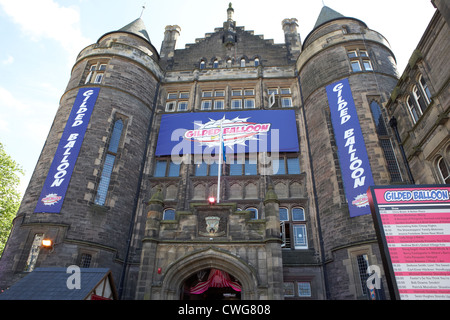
(353, 159)
(58, 177)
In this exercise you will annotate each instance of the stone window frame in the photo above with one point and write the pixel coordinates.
(287, 228)
(102, 189)
(95, 71)
(168, 166)
(175, 98)
(360, 58)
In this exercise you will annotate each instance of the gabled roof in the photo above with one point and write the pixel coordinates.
(327, 14)
(137, 27)
(51, 284)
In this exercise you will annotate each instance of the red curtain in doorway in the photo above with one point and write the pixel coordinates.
(216, 279)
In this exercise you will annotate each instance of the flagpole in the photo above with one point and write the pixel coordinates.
(219, 169)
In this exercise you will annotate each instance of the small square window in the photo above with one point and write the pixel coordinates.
(182, 106)
(160, 170)
(367, 65)
(184, 95)
(98, 78)
(363, 53)
(356, 66)
(304, 289)
(206, 105)
(170, 106)
(289, 289)
(286, 102)
(218, 104)
(207, 94)
(219, 93)
(249, 103)
(272, 91)
(236, 104)
(286, 91)
(352, 54)
(172, 96)
(236, 93)
(249, 92)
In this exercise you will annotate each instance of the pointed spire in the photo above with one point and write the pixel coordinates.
(137, 27)
(327, 14)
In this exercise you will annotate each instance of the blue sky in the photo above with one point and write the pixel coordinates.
(40, 40)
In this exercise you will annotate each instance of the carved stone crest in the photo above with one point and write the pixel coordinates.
(212, 227)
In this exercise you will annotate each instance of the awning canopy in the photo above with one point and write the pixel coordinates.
(216, 279)
(63, 284)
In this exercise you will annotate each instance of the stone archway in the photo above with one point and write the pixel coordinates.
(179, 271)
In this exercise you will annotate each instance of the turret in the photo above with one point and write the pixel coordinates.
(291, 36)
(171, 35)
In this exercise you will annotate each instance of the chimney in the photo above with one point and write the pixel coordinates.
(170, 40)
(292, 37)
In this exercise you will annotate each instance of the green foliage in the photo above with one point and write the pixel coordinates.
(9, 195)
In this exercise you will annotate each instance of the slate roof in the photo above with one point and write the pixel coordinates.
(51, 284)
(137, 27)
(327, 14)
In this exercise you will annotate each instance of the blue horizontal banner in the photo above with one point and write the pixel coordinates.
(243, 132)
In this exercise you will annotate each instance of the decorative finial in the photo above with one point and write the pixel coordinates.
(142, 12)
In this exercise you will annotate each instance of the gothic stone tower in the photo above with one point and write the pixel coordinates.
(92, 226)
(342, 53)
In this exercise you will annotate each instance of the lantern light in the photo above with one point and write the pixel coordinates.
(47, 243)
(211, 200)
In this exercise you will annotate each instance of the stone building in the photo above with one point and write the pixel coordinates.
(280, 224)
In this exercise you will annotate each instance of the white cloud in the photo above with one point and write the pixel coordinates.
(9, 103)
(9, 60)
(47, 19)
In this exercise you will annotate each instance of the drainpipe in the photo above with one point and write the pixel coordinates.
(393, 124)
(322, 249)
(136, 197)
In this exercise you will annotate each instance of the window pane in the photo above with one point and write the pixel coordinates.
(219, 93)
(34, 252)
(200, 169)
(236, 104)
(363, 53)
(160, 170)
(286, 102)
(300, 241)
(284, 214)
(213, 169)
(250, 167)
(278, 166)
(249, 92)
(356, 66)
(174, 169)
(249, 103)
(293, 166)
(182, 106)
(363, 264)
(255, 213)
(206, 105)
(115, 137)
(304, 289)
(218, 104)
(298, 214)
(236, 92)
(367, 65)
(235, 169)
(207, 94)
(172, 96)
(352, 54)
(289, 289)
(102, 189)
(169, 214)
(184, 95)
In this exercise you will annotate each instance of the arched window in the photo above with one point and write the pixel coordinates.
(256, 62)
(202, 64)
(443, 170)
(425, 89)
(413, 109)
(108, 165)
(419, 99)
(254, 213)
(243, 62)
(215, 64)
(169, 214)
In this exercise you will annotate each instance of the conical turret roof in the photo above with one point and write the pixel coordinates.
(137, 27)
(327, 14)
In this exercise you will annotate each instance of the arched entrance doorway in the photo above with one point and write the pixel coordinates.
(182, 270)
(211, 284)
